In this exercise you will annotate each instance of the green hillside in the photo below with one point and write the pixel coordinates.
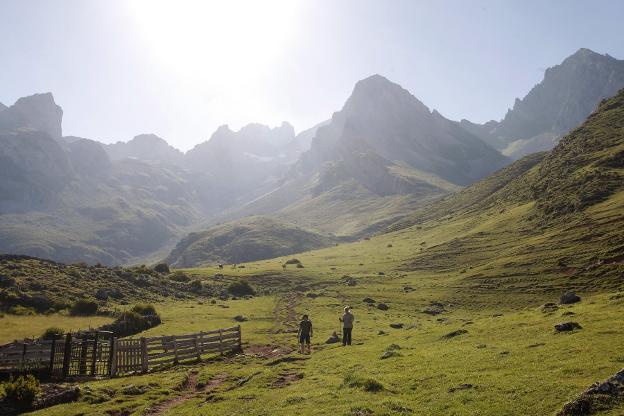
(471, 285)
(253, 238)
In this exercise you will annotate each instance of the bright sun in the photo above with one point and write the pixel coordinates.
(216, 41)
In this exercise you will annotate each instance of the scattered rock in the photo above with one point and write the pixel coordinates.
(382, 307)
(396, 325)
(481, 346)
(460, 387)
(312, 295)
(389, 354)
(567, 326)
(569, 297)
(381, 274)
(537, 344)
(568, 313)
(454, 334)
(381, 332)
(240, 318)
(334, 338)
(408, 289)
(434, 308)
(368, 300)
(549, 307)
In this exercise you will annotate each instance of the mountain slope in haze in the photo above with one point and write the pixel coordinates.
(378, 158)
(547, 218)
(568, 93)
(254, 238)
(36, 112)
(145, 147)
(382, 117)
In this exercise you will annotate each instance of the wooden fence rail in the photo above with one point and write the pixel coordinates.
(95, 354)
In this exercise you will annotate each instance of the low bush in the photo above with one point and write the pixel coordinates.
(241, 288)
(179, 277)
(52, 333)
(366, 384)
(162, 268)
(22, 390)
(84, 307)
(196, 286)
(144, 309)
(130, 323)
(21, 310)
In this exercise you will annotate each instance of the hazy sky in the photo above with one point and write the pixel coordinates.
(180, 68)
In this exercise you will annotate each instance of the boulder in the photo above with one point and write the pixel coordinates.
(368, 300)
(382, 307)
(240, 318)
(567, 326)
(454, 334)
(396, 325)
(569, 297)
(549, 307)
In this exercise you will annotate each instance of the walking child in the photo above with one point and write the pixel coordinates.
(305, 332)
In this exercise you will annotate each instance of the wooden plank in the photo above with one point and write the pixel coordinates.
(114, 357)
(144, 362)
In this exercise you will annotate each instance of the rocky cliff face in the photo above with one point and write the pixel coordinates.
(568, 93)
(36, 112)
(145, 147)
(383, 118)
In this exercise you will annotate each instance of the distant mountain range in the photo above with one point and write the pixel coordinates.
(568, 94)
(377, 160)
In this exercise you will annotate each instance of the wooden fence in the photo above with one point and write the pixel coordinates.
(98, 353)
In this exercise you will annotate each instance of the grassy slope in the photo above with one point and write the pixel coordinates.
(248, 239)
(491, 267)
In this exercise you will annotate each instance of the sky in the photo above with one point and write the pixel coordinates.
(181, 68)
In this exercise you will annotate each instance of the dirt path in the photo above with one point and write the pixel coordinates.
(190, 391)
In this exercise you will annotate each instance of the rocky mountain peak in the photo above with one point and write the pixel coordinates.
(38, 112)
(377, 93)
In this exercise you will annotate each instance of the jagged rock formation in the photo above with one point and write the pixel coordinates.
(568, 93)
(37, 112)
(145, 147)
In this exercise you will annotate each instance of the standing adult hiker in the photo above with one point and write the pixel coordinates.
(305, 332)
(347, 325)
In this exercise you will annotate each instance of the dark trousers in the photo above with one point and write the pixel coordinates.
(346, 336)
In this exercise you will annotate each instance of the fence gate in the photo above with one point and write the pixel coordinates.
(81, 354)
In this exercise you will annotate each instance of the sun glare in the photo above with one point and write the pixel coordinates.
(216, 41)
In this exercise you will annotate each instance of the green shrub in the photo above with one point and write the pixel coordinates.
(179, 277)
(162, 268)
(366, 384)
(144, 309)
(196, 286)
(21, 391)
(84, 307)
(241, 288)
(130, 323)
(21, 310)
(52, 333)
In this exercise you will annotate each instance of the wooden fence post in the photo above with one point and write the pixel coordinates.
(67, 355)
(52, 356)
(113, 357)
(240, 338)
(144, 363)
(220, 341)
(23, 362)
(94, 360)
(196, 340)
(84, 346)
(175, 350)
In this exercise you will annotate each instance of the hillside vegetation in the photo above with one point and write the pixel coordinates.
(253, 238)
(470, 294)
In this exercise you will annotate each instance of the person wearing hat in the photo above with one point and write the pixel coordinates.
(347, 325)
